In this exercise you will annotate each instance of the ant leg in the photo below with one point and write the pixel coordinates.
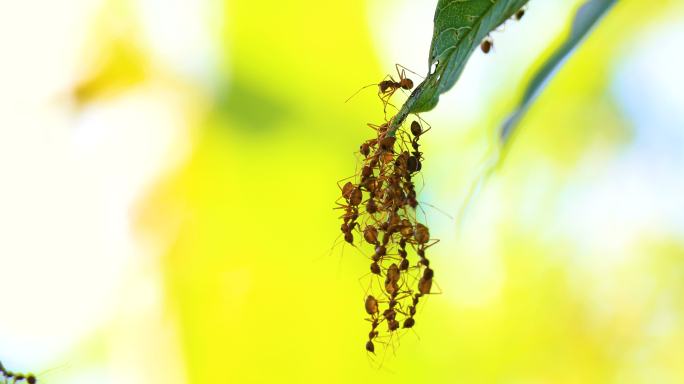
(386, 98)
(407, 69)
(386, 104)
(402, 73)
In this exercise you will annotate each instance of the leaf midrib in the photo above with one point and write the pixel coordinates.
(478, 23)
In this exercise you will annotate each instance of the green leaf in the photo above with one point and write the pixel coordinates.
(585, 18)
(460, 27)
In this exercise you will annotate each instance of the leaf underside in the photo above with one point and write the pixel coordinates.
(460, 27)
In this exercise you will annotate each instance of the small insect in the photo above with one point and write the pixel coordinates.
(487, 44)
(16, 377)
(388, 86)
(519, 15)
(421, 233)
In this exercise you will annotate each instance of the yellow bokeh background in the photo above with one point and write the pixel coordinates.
(561, 270)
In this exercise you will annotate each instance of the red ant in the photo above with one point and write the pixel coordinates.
(30, 378)
(519, 15)
(487, 44)
(388, 86)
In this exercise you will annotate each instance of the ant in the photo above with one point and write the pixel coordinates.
(519, 15)
(30, 378)
(388, 86)
(487, 44)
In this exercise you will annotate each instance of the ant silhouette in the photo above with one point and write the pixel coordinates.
(519, 15)
(16, 377)
(487, 44)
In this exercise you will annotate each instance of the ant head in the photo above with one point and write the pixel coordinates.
(365, 149)
(519, 15)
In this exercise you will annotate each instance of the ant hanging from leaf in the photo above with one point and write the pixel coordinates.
(487, 44)
(519, 15)
(16, 377)
(388, 86)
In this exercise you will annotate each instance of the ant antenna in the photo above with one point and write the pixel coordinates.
(360, 89)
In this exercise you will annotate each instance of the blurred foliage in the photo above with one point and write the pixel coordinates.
(584, 20)
(260, 298)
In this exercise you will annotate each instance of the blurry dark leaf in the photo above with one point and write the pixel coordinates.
(585, 18)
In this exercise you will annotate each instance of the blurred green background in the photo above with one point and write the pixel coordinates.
(169, 171)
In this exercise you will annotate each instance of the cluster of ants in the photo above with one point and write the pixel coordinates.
(15, 377)
(380, 207)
